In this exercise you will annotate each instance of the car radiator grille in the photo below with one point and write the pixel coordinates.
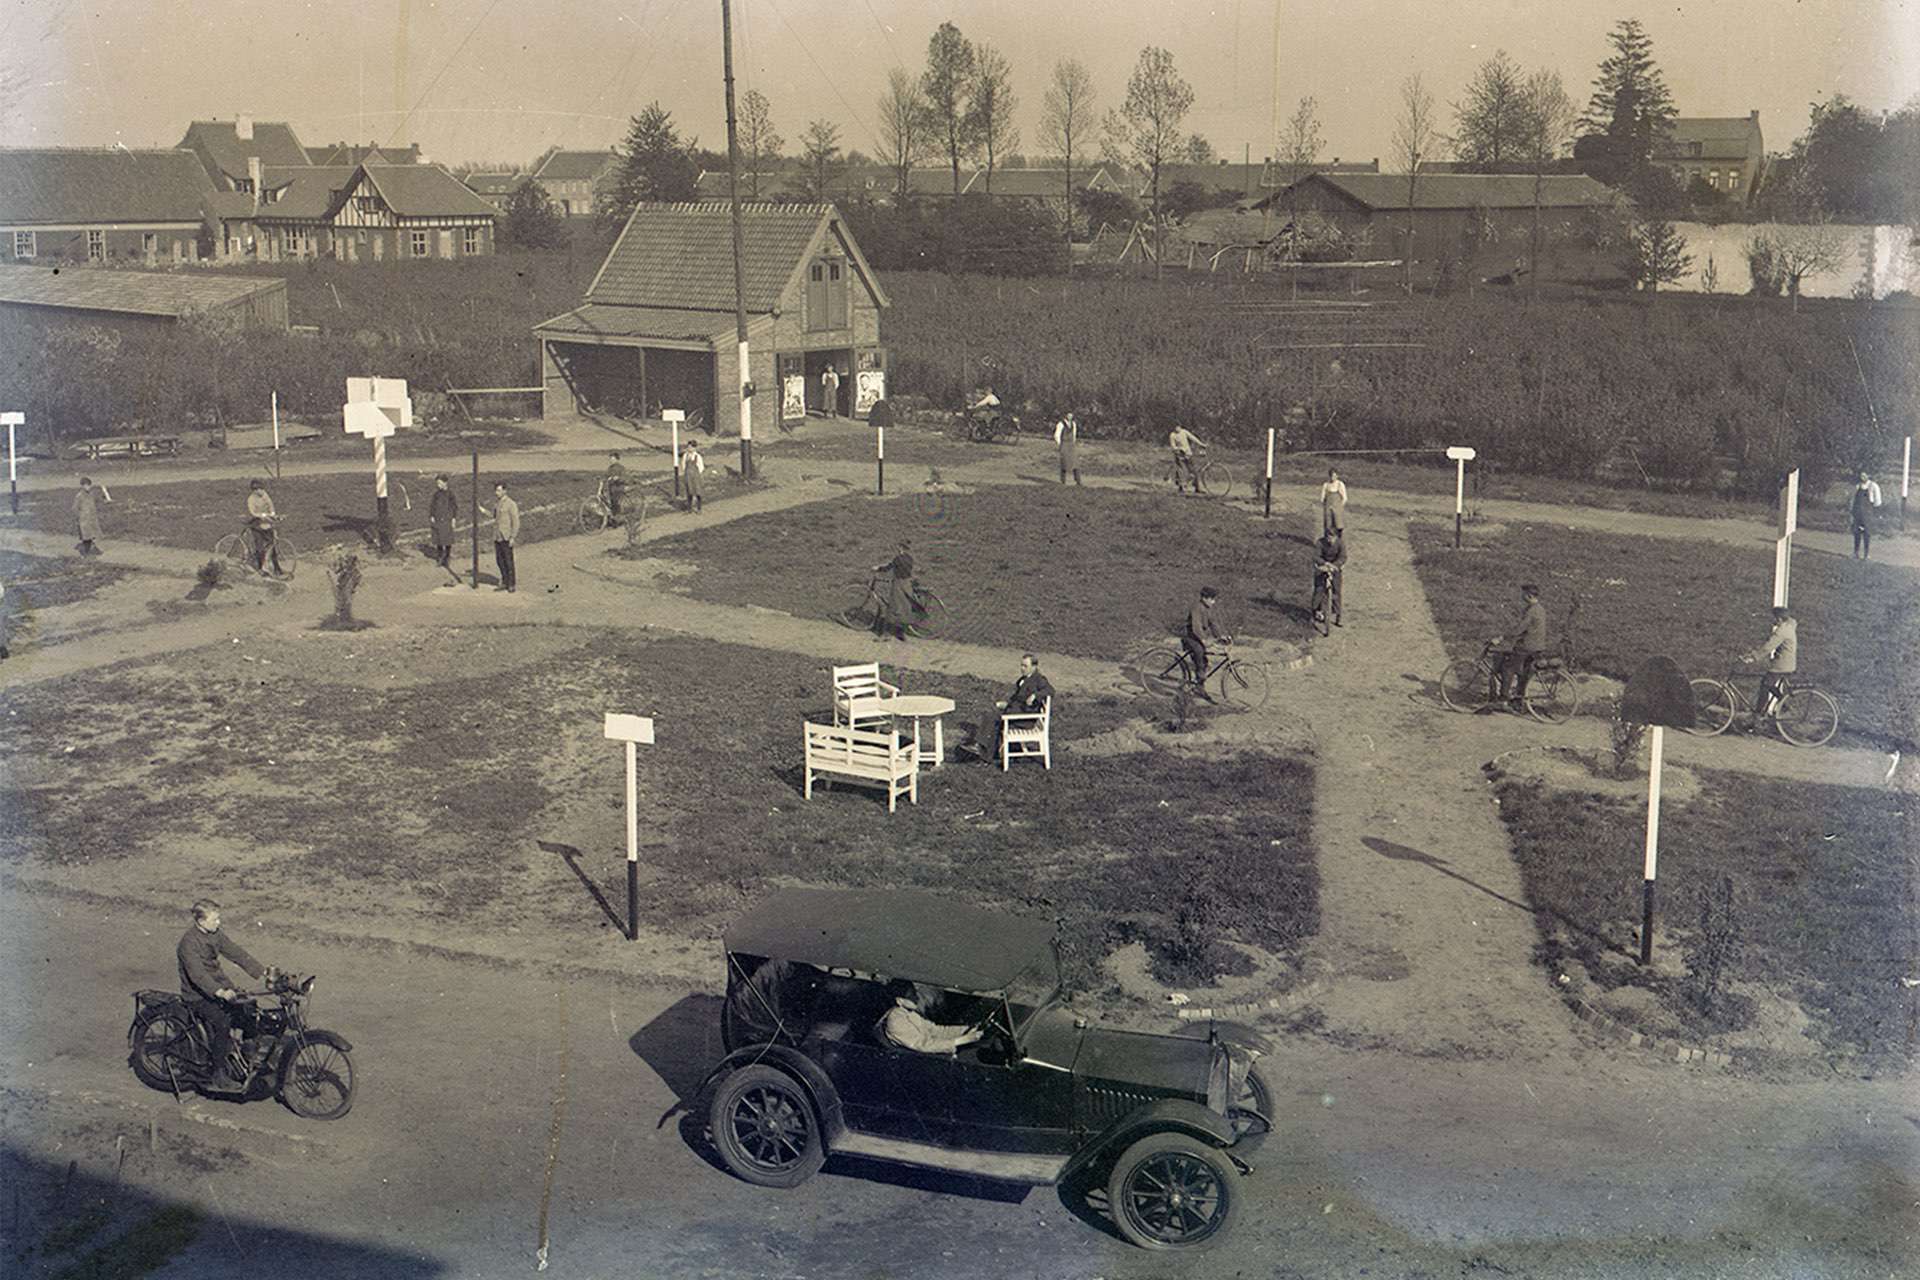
(1101, 1105)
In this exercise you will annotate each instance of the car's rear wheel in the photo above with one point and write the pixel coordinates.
(1171, 1191)
(765, 1129)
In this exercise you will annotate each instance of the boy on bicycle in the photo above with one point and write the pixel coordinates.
(616, 482)
(1782, 652)
(1330, 558)
(1200, 628)
(1510, 678)
(1183, 442)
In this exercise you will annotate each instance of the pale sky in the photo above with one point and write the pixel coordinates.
(500, 80)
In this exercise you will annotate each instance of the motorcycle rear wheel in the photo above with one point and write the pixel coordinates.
(316, 1078)
(154, 1048)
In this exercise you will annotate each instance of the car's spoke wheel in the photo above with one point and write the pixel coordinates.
(764, 1126)
(1712, 707)
(1170, 1191)
(1807, 718)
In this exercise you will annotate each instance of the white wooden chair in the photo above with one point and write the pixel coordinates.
(860, 683)
(867, 759)
(1025, 734)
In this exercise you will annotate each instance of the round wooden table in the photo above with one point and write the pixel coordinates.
(918, 707)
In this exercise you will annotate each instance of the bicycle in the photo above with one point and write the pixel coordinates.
(596, 513)
(1324, 595)
(1803, 715)
(926, 611)
(1209, 478)
(238, 549)
(1552, 695)
(1168, 671)
(987, 426)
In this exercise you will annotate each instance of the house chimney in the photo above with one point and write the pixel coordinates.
(1754, 116)
(243, 128)
(256, 176)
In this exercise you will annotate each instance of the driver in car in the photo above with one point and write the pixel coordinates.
(205, 984)
(908, 1026)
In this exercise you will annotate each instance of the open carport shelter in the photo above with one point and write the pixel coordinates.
(657, 328)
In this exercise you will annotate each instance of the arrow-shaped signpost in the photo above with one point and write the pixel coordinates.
(673, 418)
(1461, 455)
(1659, 697)
(376, 408)
(632, 730)
(16, 419)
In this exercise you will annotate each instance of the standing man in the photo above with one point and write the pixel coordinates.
(1183, 442)
(891, 621)
(616, 483)
(693, 467)
(506, 532)
(1333, 503)
(1029, 693)
(86, 513)
(1782, 652)
(440, 516)
(1066, 435)
(1517, 658)
(206, 986)
(1866, 496)
(830, 391)
(261, 518)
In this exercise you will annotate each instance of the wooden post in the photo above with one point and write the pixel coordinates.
(1906, 475)
(1783, 548)
(674, 417)
(476, 520)
(1461, 455)
(631, 731)
(1268, 513)
(276, 435)
(879, 459)
(15, 419)
(1653, 844)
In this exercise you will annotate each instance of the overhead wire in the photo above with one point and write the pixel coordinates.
(873, 137)
(445, 65)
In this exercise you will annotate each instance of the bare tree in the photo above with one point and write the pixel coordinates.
(903, 128)
(759, 143)
(1300, 146)
(1066, 115)
(1414, 140)
(820, 147)
(1491, 121)
(993, 106)
(1547, 121)
(1803, 249)
(945, 85)
(1146, 129)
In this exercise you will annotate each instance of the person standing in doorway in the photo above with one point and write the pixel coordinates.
(830, 391)
(693, 469)
(440, 516)
(1066, 434)
(1866, 496)
(86, 513)
(506, 532)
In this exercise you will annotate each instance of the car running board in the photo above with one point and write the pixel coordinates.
(1036, 1170)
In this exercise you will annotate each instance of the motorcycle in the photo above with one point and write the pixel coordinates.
(275, 1053)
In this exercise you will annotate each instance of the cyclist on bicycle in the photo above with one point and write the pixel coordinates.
(260, 521)
(616, 483)
(1781, 649)
(1330, 559)
(1183, 442)
(892, 619)
(986, 405)
(1517, 658)
(1202, 627)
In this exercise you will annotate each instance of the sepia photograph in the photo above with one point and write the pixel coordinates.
(710, 639)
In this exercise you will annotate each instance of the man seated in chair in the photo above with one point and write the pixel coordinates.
(1028, 695)
(907, 1025)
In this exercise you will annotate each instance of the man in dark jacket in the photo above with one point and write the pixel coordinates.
(1029, 693)
(1330, 562)
(1518, 654)
(205, 984)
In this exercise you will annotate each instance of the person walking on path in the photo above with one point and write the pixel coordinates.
(693, 466)
(440, 515)
(506, 532)
(1333, 504)
(1066, 435)
(1866, 496)
(830, 391)
(86, 513)
(891, 621)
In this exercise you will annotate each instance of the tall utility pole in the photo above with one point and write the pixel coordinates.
(739, 275)
(400, 68)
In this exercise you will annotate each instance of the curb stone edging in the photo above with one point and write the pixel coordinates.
(1272, 1004)
(1671, 1050)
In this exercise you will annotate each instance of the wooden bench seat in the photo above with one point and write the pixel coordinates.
(863, 756)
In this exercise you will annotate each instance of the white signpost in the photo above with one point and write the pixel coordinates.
(673, 418)
(632, 730)
(1783, 546)
(1461, 455)
(14, 418)
(376, 408)
(1268, 513)
(1906, 477)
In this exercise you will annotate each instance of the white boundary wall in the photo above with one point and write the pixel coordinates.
(1888, 256)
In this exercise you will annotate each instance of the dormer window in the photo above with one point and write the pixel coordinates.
(243, 185)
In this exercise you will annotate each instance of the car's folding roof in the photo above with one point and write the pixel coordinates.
(897, 933)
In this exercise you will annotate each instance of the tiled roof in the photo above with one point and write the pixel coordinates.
(872, 181)
(1381, 191)
(101, 185)
(681, 255)
(494, 184)
(140, 292)
(273, 143)
(304, 191)
(1039, 183)
(367, 153)
(567, 166)
(673, 324)
(1720, 138)
(232, 206)
(410, 190)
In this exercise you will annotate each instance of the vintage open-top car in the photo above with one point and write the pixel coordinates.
(1039, 1097)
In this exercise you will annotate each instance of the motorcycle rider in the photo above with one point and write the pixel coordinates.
(205, 984)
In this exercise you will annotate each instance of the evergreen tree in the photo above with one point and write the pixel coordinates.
(654, 165)
(1630, 112)
(1490, 125)
(529, 219)
(1656, 254)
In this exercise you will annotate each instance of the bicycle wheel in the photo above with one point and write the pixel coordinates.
(1807, 717)
(1554, 697)
(282, 559)
(236, 549)
(1712, 707)
(594, 516)
(1244, 685)
(1163, 671)
(1463, 685)
(1215, 480)
(927, 613)
(861, 613)
(1322, 620)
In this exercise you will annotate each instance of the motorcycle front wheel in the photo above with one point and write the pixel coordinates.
(316, 1077)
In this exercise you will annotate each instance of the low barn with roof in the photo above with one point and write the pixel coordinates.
(104, 204)
(657, 326)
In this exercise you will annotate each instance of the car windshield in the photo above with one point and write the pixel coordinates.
(1033, 989)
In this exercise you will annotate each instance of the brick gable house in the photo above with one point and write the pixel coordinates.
(1726, 153)
(104, 205)
(657, 328)
(574, 180)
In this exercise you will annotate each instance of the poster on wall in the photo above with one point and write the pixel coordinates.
(793, 396)
(869, 385)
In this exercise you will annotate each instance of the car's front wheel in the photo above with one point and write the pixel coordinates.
(765, 1128)
(1171, 1191)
